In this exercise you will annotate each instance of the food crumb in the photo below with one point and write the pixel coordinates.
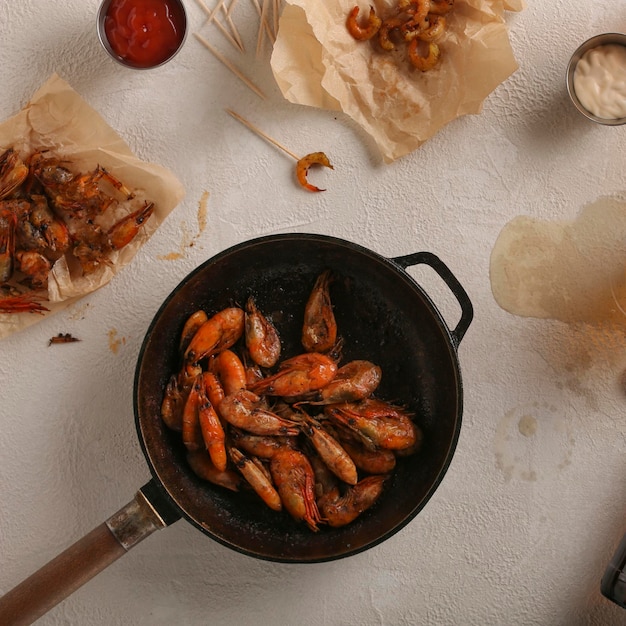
(63, 338)
(115, 342)
(202, 211)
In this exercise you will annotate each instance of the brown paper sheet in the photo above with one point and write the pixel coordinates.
(316, 62)
(57, 118)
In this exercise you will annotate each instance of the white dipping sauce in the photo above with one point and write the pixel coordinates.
(600, 81)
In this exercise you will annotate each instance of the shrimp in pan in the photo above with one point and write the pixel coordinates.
(319, 329)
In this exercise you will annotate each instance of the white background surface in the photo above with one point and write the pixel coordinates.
(525, 521)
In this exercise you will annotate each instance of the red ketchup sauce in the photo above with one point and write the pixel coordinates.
(144, 33)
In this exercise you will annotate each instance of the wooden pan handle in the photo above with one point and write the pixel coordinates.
(79, 563)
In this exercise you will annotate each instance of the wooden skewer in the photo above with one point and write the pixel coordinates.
(231, 6)
(211, 13)
(276, 16)
(259, 41)
(211, 18)
(233, 28)
(228, 36)
(263, 22)
(259, 132)
(230, 66)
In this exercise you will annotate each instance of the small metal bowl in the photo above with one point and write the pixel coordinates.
(594, 42)
(102, 36)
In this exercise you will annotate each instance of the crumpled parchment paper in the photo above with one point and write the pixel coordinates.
(316, 62)
(58, 119)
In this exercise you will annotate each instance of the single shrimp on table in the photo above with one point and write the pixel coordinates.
(305, 163)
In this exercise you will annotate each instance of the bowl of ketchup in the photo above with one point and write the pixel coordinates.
(142, 34)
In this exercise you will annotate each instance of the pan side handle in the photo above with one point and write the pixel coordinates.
(433, 261)
(79, 563)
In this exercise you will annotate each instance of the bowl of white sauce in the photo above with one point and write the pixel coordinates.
(596, 79)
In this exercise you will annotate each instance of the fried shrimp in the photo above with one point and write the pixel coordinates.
(303, 165)
(423, 62)
(363, 33)
(306, 435)
(412, 23)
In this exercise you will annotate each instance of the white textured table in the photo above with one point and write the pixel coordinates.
(534, 502)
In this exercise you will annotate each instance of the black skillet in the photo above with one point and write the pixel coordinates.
(383, 315)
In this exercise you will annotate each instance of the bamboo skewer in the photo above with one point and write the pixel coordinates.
(211, 19)
(228, 11)
(228, 36)
(211, 13)
(230, 66)
(263, 23)
(276, 11)
(231, 6)
(233, 28)
(259, 132)
(259, 41)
